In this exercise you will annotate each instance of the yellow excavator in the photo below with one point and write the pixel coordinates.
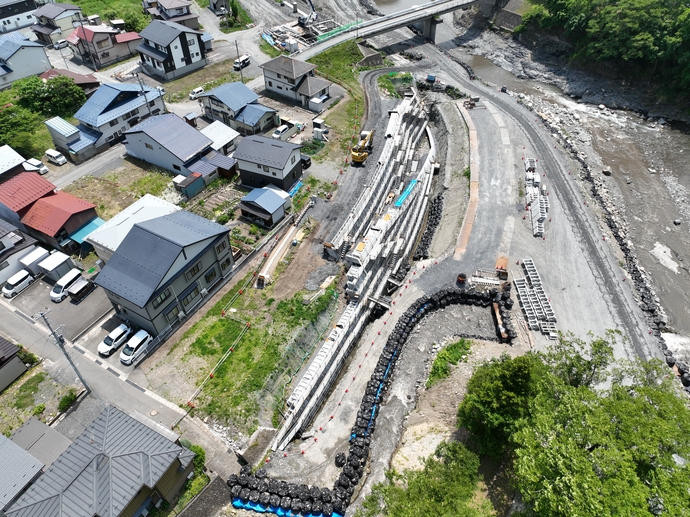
(361, 151)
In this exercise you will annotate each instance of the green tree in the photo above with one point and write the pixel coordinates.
(578, 363)
(64, 97)
(234, 9)
(14, 120)
(135, 21)
(30, 93)
(498, 396)
(24, 144)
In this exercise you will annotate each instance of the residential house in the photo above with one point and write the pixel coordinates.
(223, 138)
(119, 466)
(16, 14)
(41, 441)
(265, 160)
(86, 82)
(18, 469)
(294, 80)
(176, 11)
(14, 244)
(56, 21)
(171, 50)
(164, 268)
(110, 235)
(169, 142)
(102, 45)
(57, 218)
(236, 105)
(19, 194)
(104, 118)
(20, 58)
(11, 368)
(11, 163)
(264, 206)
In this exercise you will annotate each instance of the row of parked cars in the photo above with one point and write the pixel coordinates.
(72, 284)
(118, 337)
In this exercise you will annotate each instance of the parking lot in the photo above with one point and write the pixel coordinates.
(76, 318)
(90, 340)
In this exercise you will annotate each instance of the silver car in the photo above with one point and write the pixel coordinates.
(114, 340)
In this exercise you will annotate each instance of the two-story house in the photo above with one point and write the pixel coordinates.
(20, 58)
(169, 142)
(177, 11)
(236, 105)
(102, 45)
(265, 160)
(16, 14)
(165, 267)
(294, 80)
(119, 466)
(171, 50)
(56, 21)
(14, 244)
(103, 119)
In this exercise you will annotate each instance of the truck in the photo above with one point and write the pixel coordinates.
(360, 152)
(286, 129)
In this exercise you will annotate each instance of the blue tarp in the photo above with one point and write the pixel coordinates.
(406, 193)
(85, 230)
(294, 189)
(260, 508)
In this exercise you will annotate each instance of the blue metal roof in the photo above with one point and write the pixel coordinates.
(234, 95)
(252, 113)
(9, 47)
(85, 230)
(205, 36)
(202, 167)
(113, 100)
(142, 260)
(264, 198)
(13, 36)
(87, 137)
(174, 134)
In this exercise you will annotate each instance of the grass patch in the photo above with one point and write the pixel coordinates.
(394, 81)
(25, 395)
(312, 147)
(203, 3)
(230, 24)
(269, 50)
(468, 175)
(209, 77)
(450, 355)
(90, 7)
(339, 64)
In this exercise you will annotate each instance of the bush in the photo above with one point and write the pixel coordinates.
(199, 459)
(67, 401)
(39, 409)
(26, 356)
(222, 218)
(452, 354)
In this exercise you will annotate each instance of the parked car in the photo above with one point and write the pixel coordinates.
(114, 340)
(59, 291)
(306, 161)
(61, 43)
(196, 92)
(17, 283)
(56, 157)
(134, 346)
(33, 162)
(241, 62)
(278, 133)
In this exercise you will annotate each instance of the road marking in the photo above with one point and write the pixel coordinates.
(78, 349)
(136, 386)
(113, 371)
(20, 313)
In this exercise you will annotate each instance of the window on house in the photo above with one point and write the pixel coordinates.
(176, 167)
(225, 264)
(266, 169)
(274, 173)
(221, 246)
(4, 265)
(193, 271)
(191, 42)
(102, 43)
(210, 276)
(161, 298)
(270, 83)
(113, 123)
(149, 146)
(293, 159)
(105, 54)
(197, 54)
(152, 104)
(175, 46)
(172, 313)
(188, 299)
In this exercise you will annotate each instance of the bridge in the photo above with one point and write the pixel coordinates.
(422, 16)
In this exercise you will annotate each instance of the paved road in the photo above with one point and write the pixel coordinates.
(96, 166)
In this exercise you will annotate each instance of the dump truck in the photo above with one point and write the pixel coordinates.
(361, 151)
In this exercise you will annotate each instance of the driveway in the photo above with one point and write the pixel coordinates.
(96, 166)
(76, 318)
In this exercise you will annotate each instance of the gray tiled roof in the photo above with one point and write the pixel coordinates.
(17, 469)
(6, 228)
(310, 86)
(113, 100)
(137, 268)
(52, 10)
(289, 67)
(264, 151)
(173, 134)
(163, 33)
(102, 470)
(41, 441)
(234, 95)
(252, 113)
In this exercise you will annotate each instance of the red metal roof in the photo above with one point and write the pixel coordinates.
(51, 213)
(127, 36)
(22, 190)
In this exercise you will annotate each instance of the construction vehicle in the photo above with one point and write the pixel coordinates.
(361, 151)
(306, 21)
(502, 267)
(471, 102)
(492, 277)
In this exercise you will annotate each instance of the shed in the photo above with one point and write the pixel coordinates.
(189, 186)
(263, 205)
(287, 199)
(56, 265)
(190, 118)
(11, 366)
(31, 260)
(41, 441)
(224, 137)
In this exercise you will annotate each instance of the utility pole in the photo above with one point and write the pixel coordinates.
(237, 48)
(60, 341)
(141, 86)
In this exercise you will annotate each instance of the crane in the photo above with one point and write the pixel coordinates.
(361, 151)
(305, 21)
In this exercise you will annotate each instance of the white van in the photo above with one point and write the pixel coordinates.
(55, 157)
(38, 165)
(17, 283)
(241, 62)
(196, 93)
(59, 291)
